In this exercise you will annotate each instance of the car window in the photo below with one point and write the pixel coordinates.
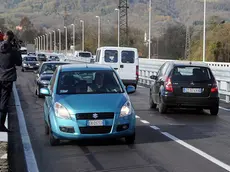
(23, 52)
(111, 56)
(127, 56)
(88, 82)
(49, 67)
(85, 55)
(163, 69)
(30, 59)
(46, 78)
(191, 74)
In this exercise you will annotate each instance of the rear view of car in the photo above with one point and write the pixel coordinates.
(53, 58)
(189, 86)
(41, 57)
(30, 63)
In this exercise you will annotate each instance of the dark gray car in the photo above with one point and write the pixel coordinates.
(30, 63)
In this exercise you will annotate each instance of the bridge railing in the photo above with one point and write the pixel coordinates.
(148, 66)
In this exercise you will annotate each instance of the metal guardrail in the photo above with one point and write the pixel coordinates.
(149, 66)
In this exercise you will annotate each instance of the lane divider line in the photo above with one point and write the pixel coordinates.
(137, 117)
(31, 162)
(155, 127)
(4, 156)
(224, 109)
(144, 121)
(198, 151)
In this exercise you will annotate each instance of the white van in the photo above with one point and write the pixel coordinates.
(123, 59)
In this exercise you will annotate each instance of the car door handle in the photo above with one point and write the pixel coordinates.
(116, 68)
(121, 66)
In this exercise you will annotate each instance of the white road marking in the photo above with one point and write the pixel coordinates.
(141, 86)
(155, 127)
(198, 151)
(144, 121)
(224, 109)
(28, 150)
(137, 117)
(4, 156)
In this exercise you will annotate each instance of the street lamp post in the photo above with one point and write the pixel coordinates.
(47, 42)
(204, 31)
(118, 26)
(66, 46)
(99, 31)
(73, 37)
(38, 43)
(44, 42)
(54, 40)
(59, 40)
(51, 41)
(83, 34)
(150, 21)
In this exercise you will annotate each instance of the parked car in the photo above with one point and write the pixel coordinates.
(41, 57)
(87, 101)
(30, 63)
(124, 60)
(184, 84)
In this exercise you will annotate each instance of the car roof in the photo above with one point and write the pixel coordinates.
(189, 63)
(56, 62)
(84, 67)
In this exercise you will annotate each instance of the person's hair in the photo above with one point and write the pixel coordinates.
(10, 35)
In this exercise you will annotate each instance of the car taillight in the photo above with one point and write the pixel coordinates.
(137, 72)
(168, 85)
(214, 88)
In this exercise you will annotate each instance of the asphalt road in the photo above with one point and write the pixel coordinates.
(153, 151)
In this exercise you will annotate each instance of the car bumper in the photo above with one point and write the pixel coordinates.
(204, 102)
(77, 128)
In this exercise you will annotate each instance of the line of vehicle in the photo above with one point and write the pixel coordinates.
(30, 159)
(190, 147)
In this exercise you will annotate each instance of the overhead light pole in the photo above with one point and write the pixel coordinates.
(59, 30)
(73, 36)
(83, 34)
(99, 31)
(66, 45)
(204, 32)
(150, 26)
(118, 26)
(54, 40)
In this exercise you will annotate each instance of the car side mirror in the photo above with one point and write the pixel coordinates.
(130, 89)
(45, 91)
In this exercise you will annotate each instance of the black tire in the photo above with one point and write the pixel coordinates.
(46, 129)
(214, 110)
(151, 103)
(38, 92)
(162, 108)
(53, 141)
(130, 139)
(23, 70)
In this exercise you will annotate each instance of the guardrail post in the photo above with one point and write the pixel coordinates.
(228, 90)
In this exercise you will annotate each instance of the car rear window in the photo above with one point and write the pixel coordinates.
(111, 56)
(191, 73)
(85, 55)
(127, 56)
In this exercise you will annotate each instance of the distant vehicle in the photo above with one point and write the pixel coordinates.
(48, 68)
(31, 54)
(88, 101)
(186, 85)
(83, 54)
(53, 58)
(41, 57)
(23, 51)
(42, 82)
(30, 63)
(123, 59)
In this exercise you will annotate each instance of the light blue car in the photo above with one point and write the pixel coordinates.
(88, 101)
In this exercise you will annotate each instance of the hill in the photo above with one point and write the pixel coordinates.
(49, 13)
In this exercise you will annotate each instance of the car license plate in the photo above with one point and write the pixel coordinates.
(95, 123)
(192, 90)
(31, 67)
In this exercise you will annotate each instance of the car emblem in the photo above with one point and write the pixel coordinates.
(95, 115)
(192, 83)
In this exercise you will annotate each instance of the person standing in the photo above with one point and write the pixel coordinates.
(10, 57)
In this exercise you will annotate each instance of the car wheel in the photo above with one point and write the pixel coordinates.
(130, 139)
(214, 110)
(151, 103)
(46, 129)
(23, 70)
(162, 107)
(53, 141)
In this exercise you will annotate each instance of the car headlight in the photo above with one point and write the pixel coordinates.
(61, 111)
(37, 64)
(126, 109)
(24, 64)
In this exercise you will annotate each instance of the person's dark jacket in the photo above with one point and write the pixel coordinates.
(10, 57)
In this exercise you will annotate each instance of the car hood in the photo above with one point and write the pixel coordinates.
(86, 103)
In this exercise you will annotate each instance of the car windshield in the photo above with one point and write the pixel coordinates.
(84, 54)
(30, 59)
(88, 82)
(49, 67)
(191, 74)
(41, 55)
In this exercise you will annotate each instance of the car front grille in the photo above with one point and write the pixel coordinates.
(94, 116)
(95, 130)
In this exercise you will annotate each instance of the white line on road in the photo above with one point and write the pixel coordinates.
(137, 117)
(140, 86)
(28, 150)
(198, 151)
(155, 127)
(144, 121)
(224, 109)
(4, 156)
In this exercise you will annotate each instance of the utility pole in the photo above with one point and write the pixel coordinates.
(187, 43)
